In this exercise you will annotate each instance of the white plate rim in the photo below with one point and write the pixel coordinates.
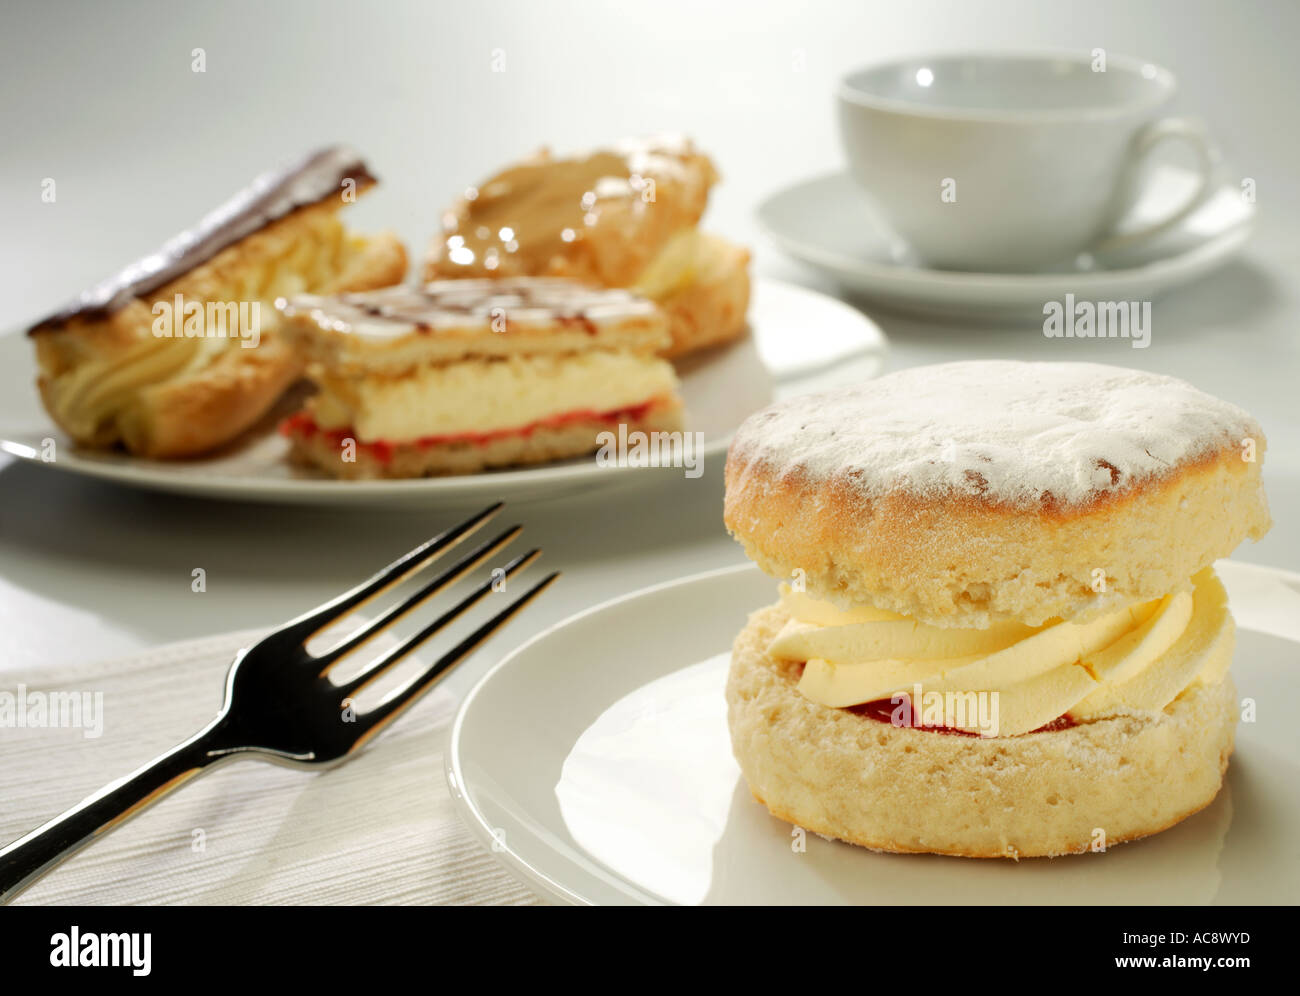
(263, 488)
(452, 768)
(544, 884)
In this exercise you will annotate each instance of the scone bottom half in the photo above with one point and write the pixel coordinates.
(858, 778)
(1048, 679)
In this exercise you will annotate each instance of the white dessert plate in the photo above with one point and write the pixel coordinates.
(595, 762)
(800, 340)
(827, 224)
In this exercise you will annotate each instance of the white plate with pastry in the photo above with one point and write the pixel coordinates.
(268, 353)
(595, 762)
(798, 340)
(988, 626)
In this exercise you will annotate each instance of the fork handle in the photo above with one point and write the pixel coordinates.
(31, 856)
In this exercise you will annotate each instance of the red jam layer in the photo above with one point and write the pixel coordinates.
(302, 425)
(882, 710)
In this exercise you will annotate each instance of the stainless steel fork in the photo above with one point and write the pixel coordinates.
(280, 703)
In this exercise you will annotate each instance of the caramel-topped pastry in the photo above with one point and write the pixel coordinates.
(177, 353)
(462, 375)
(624, 216)
(600, 217)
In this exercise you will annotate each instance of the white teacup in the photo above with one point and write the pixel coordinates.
(1011, 162)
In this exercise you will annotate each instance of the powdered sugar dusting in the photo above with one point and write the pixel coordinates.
(1012, 433)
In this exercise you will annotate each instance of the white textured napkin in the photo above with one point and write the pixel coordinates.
(379, 829)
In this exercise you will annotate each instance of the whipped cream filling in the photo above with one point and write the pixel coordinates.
(86, 397)
(674, 267)
(485, 396)
(1133, 661)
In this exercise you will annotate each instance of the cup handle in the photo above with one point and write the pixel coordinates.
(1207, 156)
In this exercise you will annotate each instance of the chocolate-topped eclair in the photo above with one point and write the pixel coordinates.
(176, 353)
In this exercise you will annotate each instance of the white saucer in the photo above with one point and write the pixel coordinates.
(595, 762)
(827, 224)
(800, 341)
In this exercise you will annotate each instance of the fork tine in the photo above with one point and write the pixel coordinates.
(380, 666)
(447, 578)
(397, 701)
(310, 623)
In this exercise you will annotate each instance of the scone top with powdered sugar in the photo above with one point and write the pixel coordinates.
(1009, 433)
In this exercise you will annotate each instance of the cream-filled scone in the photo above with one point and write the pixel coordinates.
(625, 216)
(999, 633)
(460, 376)
(178, 353)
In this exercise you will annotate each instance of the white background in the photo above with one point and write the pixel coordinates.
(101, 97)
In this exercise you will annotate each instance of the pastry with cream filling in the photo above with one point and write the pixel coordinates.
(999, 632)
(178, 353)
(460, 376)
(625, 216)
